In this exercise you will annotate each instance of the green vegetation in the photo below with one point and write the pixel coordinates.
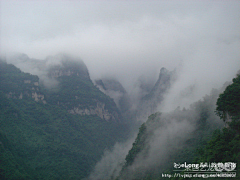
(41, 140)
(228, 105)
(75, 89)
(14, 81)
(44, 141)
(207, 143)
(137, 146)
(224, 145)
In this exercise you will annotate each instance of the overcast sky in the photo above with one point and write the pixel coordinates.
(128, 38)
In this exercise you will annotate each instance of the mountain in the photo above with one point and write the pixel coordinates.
(224, 145)
(58, 131)
(66, 82)
(115, 90)
(85, 98)
(149, 102)
(193, 136)
(171, 137)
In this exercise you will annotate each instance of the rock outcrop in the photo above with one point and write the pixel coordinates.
(66, 83)
(149, 103)
(77, 92)
(100, 111)
(115, 90)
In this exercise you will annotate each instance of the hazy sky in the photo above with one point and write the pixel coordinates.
(129, 38)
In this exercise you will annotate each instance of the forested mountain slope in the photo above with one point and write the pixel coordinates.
(224, 145)
(114, 89)
(196, 137)
(149, 102)
(65, 79)
(171, 137)
(54, 134)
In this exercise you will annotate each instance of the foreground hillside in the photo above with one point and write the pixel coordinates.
(54, 134)
(193, 135)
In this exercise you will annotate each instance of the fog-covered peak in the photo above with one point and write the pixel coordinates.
(66, 65)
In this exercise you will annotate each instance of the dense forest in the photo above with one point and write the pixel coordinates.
(40, 138)
(62, 131)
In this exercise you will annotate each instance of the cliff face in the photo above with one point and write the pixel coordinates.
(77, 93)
(228, 104)
(99, 111)
(115, 90)
(64, 81)
(67, 66)
(56, 132)
(149, 103)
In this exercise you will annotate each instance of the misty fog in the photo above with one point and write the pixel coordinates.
(130, 41)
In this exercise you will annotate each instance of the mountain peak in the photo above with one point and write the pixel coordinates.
(65, 65)
(153, 99)
(163, 70)
(164, 79)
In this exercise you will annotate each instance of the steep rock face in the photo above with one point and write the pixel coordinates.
(77, 93)
(45, 139)
(149, 103)
(227, 119)
(38, 97)
(115, 90)
(67, 66)
(111, 84)
(162, 85)
(228, 104)
(65, 82)
(99, 111)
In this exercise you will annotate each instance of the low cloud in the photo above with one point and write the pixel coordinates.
(112, 161)
(168, 133)
(128, 39)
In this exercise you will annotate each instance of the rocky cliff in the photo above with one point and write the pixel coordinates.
(149, 103)
(54, 133)
(115, 90)
(64, 81)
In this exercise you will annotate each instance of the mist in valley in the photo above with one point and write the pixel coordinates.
(127, 43)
